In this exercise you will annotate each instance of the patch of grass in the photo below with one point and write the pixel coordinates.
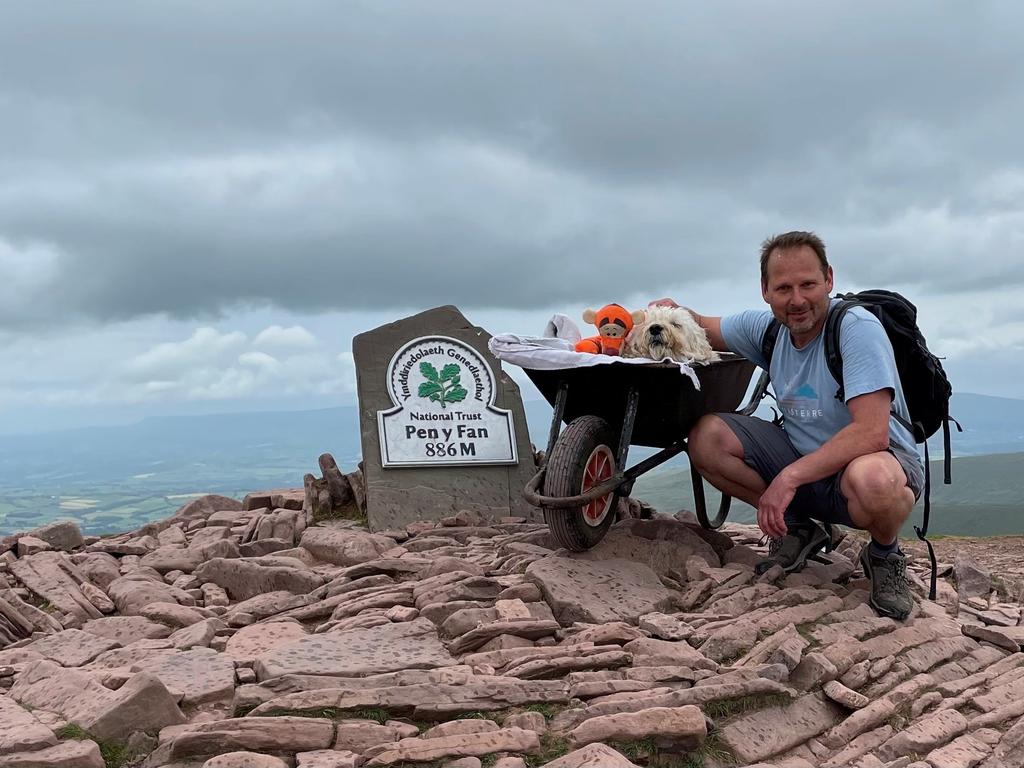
(805, 630)
(646, 752)
(1002, 587)
(552, 747)
(725, 708)
(899, 719)
(711, 749)
(639, 751)
(115, 754)
(329, 713)
(347, 512)
(376, 714)
(732, 658)
(72, 731)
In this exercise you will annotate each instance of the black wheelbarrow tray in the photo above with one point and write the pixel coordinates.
(607, 408)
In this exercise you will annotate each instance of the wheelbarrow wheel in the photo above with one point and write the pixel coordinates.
(583, 457)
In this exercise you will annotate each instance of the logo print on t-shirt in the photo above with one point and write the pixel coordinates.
(804, 403)
(806, 392)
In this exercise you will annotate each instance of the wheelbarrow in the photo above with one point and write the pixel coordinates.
(606, 409)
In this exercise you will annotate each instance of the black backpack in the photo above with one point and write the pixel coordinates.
(926, 387)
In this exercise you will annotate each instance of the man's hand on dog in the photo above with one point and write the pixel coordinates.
(663, 303)
(771, 510)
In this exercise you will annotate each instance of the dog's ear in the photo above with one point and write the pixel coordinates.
(639, 316)
(589, 315)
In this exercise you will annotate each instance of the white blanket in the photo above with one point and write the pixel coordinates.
(556, 350)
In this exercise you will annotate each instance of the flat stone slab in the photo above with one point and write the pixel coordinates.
(599, 592)
(292, 734)
(661, 544)
(20, 731)
(250, 642)
(126, 629)
(73, 647)
(344, 546)
(128, 657)
(358, 652)
(679, 729)
(433, 701)
(756, 736)
(67, 754)
(418, 749)
(243, 579)
(141, 704)
(592, 756)
(198, 675)
(245, 760)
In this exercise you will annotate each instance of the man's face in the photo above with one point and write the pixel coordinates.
(798, 291)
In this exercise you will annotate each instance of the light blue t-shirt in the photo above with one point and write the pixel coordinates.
(805, 389)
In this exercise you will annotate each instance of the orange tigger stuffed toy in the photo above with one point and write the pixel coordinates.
(613, 323)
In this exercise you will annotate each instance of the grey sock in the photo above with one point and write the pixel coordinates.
(883, 550)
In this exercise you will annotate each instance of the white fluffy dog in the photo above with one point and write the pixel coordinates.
(669, 332)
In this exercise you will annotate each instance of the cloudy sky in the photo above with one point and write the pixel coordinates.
(201, 203)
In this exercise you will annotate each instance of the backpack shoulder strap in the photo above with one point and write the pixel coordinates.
(833, 355)
(771, 334)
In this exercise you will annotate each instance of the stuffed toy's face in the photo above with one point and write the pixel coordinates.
(613, 329)
(613, 324)
(612, 321)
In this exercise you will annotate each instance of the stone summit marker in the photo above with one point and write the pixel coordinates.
(443, 428)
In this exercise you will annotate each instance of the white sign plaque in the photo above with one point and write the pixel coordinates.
(444, 413)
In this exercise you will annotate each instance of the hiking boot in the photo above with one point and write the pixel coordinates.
(792, 550)
(890, 591)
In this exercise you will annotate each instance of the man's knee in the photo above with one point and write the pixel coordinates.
(711, 438)
(877, 483)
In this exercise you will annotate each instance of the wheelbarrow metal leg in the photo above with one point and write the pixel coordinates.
(701, 503)
(556, 417)
(628, 420)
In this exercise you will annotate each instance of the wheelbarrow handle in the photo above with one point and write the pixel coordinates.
(530, 492)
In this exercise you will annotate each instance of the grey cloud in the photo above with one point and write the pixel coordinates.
(654, 145)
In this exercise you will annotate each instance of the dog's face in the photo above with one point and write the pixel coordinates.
(669, 332)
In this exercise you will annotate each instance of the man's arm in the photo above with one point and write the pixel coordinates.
(712, 325)
(713, 328)
(867, 433)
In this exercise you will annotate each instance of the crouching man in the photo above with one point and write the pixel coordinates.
(831, 461)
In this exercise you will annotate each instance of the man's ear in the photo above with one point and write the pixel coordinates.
(829, 278)
(639, 316)
(764, 292)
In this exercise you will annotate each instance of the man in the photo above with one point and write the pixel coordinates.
(836, 462)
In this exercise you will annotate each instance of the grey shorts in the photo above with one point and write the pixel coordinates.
(767, 450)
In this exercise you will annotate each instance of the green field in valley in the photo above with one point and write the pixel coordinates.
(986, 497)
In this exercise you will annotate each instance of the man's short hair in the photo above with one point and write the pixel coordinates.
(789, 240)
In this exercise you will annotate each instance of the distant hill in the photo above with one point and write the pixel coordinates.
(170, 444)
(116, 478)
(986, 497)
(113, 479)
(990, 424)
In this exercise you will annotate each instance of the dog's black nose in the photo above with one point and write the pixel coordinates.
(655, 330)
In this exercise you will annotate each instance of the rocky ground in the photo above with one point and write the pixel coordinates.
(238, 635)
